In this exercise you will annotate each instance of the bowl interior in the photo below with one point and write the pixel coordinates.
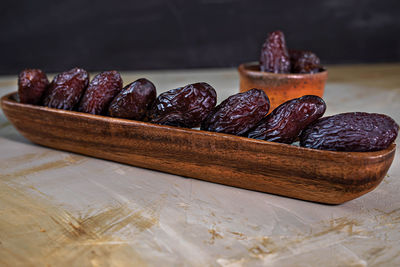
(253, 69)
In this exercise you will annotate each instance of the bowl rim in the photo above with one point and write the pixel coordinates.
(244, 70)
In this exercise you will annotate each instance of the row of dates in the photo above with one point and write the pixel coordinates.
(194, 105)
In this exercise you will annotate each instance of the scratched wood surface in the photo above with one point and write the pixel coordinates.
(63, 209)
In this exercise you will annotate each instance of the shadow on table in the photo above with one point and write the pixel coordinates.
(7, 131)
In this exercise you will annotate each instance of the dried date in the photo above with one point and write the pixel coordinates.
(32, 84)
(304, 62)
(274, 54)
(100, 92)
(238, 113)
(184, 107)
(66, 89)
(285, 123)
(355, 131)
(134, 100)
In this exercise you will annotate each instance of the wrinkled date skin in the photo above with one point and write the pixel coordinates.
(274, 54)
(66, 89)
(304, 62)
(238, 113)
(355, 131)
(32, 84)
(100, 92)
(285, 123)
(134, 100)
(184, 107)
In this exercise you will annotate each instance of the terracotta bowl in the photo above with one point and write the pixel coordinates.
(281, 87)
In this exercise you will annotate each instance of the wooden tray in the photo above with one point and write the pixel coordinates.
(287, 170)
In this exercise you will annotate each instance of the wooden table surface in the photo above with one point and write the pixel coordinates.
(63, 209)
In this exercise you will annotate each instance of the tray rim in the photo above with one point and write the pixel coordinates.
(10, 100)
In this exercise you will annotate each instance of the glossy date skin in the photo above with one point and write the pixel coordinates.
(355, 131)
(274, 54)
(66, 89)
(284, 124)
(238, 113)
(32, 84)
(100, 92)
(184, 107)
(134, 100)
(304, 62)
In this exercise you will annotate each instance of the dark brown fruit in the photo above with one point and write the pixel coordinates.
(184, 107)
(285, 123)
(66, 89)
(274, 54)
(32, 84)
(355, 131)
(304, 62)
(100, 92)
(238, 113)
(134, 100)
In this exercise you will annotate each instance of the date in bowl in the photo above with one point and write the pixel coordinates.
(281, 87)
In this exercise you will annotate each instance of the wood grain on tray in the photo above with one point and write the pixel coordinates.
(288, 170)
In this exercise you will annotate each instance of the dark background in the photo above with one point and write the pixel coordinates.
(177, 34)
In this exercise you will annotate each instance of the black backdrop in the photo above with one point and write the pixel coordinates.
(155, 34)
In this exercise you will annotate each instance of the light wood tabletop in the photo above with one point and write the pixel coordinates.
(65, 209)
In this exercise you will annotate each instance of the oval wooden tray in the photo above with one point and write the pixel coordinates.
(287, 170)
